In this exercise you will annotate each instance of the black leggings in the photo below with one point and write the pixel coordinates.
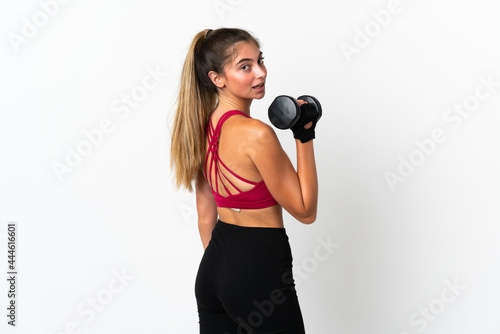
(245, 284)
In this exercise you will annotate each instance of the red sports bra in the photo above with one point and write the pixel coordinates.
(256, 198)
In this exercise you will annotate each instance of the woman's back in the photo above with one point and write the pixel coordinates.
(233, 176)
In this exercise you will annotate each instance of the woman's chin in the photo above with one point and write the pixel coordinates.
(259, 95)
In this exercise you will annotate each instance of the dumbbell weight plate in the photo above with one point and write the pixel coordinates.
(312, 100)
(284, 112)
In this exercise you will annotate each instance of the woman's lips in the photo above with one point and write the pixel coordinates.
(259, 87)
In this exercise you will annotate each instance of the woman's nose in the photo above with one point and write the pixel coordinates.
(260, 71)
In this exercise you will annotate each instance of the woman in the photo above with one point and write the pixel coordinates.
(243, 179)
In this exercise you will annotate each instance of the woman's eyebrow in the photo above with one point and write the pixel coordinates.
(248, 59)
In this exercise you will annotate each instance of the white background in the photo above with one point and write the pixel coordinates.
(116, 211)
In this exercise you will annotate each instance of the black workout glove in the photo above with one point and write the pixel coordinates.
(307, 114)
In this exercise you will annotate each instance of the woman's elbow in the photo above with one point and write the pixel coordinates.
(307, 218)
(207, 220)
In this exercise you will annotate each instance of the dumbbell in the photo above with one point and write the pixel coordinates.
(284, 112)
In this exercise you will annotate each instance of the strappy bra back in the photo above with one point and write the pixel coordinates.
(257, 197)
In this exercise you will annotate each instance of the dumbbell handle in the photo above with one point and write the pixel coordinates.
(312, 101)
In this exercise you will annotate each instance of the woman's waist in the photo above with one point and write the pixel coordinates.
(271, 217)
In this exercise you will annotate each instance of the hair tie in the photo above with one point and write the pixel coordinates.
(208, 33)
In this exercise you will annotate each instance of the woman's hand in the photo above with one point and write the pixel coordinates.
(308, 125)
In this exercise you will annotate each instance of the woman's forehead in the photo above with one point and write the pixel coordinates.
(246, 50)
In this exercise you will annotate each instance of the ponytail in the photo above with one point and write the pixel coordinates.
(194, 105)
(198, 98)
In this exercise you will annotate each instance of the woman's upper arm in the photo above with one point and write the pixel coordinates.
(205, 202)
(277, 170)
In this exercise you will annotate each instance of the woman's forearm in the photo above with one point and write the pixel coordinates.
(205, 228)
(308, 179)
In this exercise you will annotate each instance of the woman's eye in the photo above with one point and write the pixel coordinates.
(261, 60)
(245, 67)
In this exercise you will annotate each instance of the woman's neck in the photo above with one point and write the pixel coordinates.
(233, 103)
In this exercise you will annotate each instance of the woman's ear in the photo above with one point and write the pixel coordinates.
(217, 79)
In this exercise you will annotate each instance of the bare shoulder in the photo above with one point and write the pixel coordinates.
(255, 130)
(256, 138)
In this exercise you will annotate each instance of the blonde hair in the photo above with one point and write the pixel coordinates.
(198, 98)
